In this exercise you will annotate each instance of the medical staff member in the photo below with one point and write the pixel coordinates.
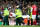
(18, 15)
(6, 15)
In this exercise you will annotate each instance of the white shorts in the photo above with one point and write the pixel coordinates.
(33, 16)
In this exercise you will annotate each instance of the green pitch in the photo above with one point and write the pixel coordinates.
(17, 26)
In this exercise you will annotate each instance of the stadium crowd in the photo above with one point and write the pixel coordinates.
(24, 7)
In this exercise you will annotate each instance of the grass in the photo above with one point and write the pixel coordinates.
(16, 26)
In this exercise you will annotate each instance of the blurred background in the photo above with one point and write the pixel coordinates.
(24, 6)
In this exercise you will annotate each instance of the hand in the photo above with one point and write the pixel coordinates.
(9, 15)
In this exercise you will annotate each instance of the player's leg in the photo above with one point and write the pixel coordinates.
(33, 21)
(33, 17)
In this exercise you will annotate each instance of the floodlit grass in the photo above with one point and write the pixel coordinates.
(16, 26)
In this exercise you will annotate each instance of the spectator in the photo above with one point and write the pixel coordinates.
(0, 17)
(39, 11)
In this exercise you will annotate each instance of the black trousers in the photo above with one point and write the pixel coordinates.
(19, 21)
(31, 21)
(6, 20)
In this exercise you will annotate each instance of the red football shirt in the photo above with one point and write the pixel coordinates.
(34, 10)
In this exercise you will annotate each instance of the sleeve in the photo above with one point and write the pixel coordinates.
(31, 9)
(14, 14)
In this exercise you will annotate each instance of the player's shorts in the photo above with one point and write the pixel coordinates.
(33, 16)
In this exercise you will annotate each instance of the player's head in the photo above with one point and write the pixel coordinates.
(33, 3)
